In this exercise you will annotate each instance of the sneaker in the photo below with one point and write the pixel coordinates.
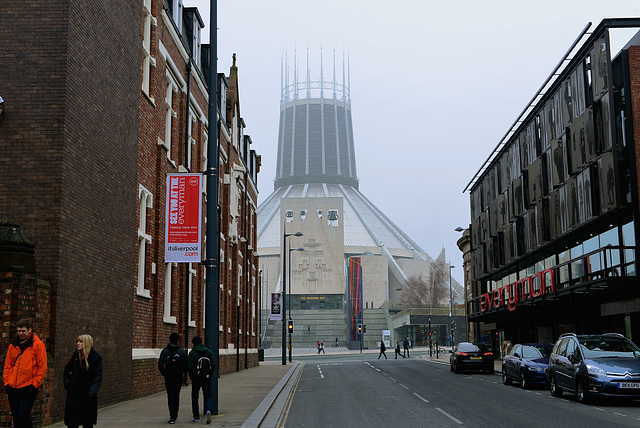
(171, 421)
(196, 420)
(208, 416)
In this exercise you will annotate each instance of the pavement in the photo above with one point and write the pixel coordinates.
(249, 398)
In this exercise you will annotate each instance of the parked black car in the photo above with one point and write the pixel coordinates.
(597, 364)
(471, 356)
(527, 363)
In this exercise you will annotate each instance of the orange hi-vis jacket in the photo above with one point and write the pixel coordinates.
(25, 367)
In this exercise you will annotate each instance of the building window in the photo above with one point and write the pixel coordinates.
(148, 61)
(146, 203)
(172, 88)
(168, 272)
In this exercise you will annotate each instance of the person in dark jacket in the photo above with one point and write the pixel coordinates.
(398, 350)
(382, 350)
(173, 366)
(405, 345)
(82, 377)
(201, 366)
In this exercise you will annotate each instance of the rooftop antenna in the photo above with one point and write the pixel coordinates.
(308, 74)
(334, 71)
(321, 73)
(343, 76)
(295, 73)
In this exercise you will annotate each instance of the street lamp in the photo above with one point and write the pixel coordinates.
(451, 303)
(291, 288)
(284, 294)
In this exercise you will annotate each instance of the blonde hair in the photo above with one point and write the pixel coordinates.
(87, 345)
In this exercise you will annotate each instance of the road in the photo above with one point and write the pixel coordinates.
(419, 392)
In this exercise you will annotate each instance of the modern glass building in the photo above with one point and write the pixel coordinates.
(554, 209)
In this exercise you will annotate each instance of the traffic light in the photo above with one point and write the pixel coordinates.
(290, 327)
(359, 328)
(364, 328)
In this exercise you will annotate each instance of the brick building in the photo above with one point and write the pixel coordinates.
(101, 105)
(555, 212)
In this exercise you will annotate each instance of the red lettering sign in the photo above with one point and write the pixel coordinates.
(519, 291)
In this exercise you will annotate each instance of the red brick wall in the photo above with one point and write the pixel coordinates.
(69, 144)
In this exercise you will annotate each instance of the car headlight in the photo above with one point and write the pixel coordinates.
(536, 369)
(595, 370)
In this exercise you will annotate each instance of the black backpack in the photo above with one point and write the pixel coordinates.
(204, 368)
(174, 362)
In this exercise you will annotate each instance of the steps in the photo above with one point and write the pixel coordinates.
(325, 324)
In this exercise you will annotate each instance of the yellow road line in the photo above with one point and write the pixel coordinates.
(287, 405)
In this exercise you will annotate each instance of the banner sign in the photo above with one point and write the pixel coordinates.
(183, 231)
(276, 307)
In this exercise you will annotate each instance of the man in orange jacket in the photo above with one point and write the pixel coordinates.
(24, 371)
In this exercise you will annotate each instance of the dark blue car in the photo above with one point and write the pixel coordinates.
(527, 363)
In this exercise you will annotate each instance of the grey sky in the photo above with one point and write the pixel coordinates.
(434, 86)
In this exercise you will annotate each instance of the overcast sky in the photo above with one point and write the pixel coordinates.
(434, 87)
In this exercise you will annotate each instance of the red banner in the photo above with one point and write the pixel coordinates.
(183, 233)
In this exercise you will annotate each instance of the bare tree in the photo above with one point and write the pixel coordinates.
(432, 291)
(416, 293)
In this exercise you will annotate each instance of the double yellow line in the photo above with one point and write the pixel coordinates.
(287, 405)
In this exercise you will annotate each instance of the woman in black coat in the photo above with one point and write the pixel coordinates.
(82, 378)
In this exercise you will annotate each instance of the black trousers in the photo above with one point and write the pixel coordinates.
(196, 384)
(21, 402)
(173, 385)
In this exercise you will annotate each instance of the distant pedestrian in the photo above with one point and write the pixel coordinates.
(382, 350)
(318, 346)
(309, 330)
(398, 349)
(322, 347)
(173, 366)
(82, 377)
(405, 344)
(337, 343)
(201, 366)
(24, 369)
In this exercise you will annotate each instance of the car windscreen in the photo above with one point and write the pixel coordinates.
(604, 346)
(535, 352)
(472, 347)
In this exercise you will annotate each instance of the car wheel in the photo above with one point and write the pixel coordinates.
(555, 391)
(505, 378)
(581, 392)
(451, 366)
(523, 380)
(456, 368)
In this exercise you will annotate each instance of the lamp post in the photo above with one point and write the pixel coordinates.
(284, 294)
(430, 337)
(291, 288)
(451, 304)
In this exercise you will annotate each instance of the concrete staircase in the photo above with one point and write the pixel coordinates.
(326, 324)
(309, 327)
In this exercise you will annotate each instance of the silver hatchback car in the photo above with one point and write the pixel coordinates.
(595, 364)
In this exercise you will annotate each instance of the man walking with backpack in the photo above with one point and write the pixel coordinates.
(201, 366)
(173, 365)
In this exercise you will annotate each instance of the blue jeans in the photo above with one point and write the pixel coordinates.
(21, 402)
(195, 395)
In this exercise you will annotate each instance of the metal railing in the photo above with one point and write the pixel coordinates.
(592, 267)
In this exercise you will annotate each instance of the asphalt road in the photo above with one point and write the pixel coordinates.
(420, 392)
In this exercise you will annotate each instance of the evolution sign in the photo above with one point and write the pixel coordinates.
(518, 291)
(183, 237)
